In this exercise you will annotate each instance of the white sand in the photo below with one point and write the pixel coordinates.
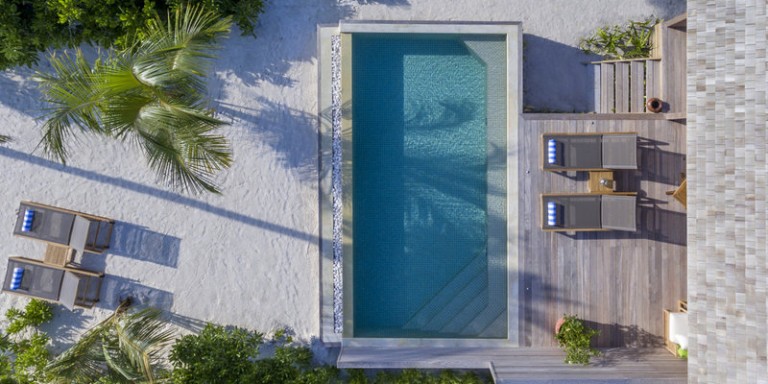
(250, 257)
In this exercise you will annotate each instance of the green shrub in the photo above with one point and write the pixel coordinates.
(29, 27)
(682, 353)
(629, 41)
(35, 313)
(576, 338)
(216, 354)
(24, 355)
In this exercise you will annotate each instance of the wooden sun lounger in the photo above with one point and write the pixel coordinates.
(77, 230)
(590, 151)
(67, 285)
(582, 212)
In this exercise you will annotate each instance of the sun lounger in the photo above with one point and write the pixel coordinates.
(80, 231)
(66, 285)
(589, 152)
(589, 212)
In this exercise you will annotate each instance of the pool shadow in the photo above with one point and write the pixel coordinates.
(556, 77)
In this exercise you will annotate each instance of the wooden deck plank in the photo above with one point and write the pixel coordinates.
(622, 87)
(607, 103)
(673, 70)
(653, 79)
(637, 87)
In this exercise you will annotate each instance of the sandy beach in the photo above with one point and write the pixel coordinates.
(250, 257)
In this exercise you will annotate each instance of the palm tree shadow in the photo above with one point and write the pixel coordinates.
(290, 132)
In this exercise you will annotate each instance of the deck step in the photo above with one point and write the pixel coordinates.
(623, 86)
(450, 291)
(465, 316)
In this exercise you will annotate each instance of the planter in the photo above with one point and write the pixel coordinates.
(559, 324)
(654, 105)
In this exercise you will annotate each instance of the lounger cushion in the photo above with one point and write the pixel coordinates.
(620, 151)
(576, 211)
(69, 287)
(554, 214)
(18, 275)
(29, 216)
(619, 212)
(579, 151)
(554, 152)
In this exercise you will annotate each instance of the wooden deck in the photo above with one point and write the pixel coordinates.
(620, 282)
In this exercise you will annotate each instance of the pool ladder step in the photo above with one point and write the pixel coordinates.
(451, 292)
(462, 308)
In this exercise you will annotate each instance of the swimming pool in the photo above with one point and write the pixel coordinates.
(425, 209)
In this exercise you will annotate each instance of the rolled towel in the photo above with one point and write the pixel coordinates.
(29, 216)
(551, 214)
(18, 274)
(552, 151)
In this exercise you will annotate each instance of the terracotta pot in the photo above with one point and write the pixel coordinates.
(654, 105)
(559, 324)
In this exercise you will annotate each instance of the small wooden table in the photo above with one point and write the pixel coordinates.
(595, 186)
(60, 255)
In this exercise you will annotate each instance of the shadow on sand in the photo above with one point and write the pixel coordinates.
(139, 243)
(157, 193)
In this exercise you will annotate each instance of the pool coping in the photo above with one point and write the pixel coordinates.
(513, 31)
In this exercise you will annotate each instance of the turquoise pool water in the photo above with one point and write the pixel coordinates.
(420, 195)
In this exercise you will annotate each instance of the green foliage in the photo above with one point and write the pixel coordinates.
(154, 94)
(231, 355)
(34, 314)
(29, 27)
(409, 376)
(629, 41)
(215, 354)
(575, 338)
(23, 352)
(125, 347)
(682, 353)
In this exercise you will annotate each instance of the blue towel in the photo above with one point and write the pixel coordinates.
(552, 151)
(29, 215)
(18, 274)
(551, 214)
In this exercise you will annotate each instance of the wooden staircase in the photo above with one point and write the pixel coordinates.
(624, 86)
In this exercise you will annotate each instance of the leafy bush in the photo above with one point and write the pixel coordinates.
(23, 356)
(231, 355)
(575, 338)
(682, 353)
(34, 314)
(29, 27)
(408, 376)
(632, 40)
(215, 354)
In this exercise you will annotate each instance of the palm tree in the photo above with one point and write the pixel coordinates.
(125, 347)
(4, 139)
(153, 94)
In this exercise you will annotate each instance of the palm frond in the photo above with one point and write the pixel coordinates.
(141, 335)
(155, 93)
(186, 39)
(126, 345)
(4, 139)
(74, 96)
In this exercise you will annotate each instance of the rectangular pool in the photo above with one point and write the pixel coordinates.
(425, 209)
